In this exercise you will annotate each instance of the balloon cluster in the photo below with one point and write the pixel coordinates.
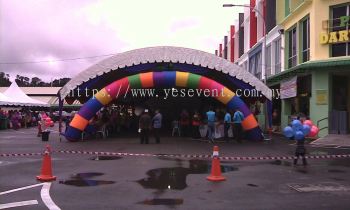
(299, 130)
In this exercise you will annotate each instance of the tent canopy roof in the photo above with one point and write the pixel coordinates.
(165, 54)
(4, 100)
(17, 97)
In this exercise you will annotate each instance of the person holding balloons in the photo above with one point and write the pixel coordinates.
(298, 131)
(300, 151)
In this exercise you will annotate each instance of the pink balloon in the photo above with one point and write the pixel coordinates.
(313, 131)
(308, 122)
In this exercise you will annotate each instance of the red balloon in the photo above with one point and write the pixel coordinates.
(313, 131)
(308, 122)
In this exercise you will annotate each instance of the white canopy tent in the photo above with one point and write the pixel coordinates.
(4, 100)
(15, 96)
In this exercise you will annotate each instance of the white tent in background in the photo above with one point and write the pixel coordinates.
(18, 97)
(4, 100)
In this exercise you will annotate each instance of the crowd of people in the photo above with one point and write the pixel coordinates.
(186, 125)
(16, 119)
(110, 121)
(115, 121)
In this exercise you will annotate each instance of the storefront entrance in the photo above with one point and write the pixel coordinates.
(339, 113)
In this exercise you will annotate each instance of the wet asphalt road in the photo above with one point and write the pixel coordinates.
(126, 182)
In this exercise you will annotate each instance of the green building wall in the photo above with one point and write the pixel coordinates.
(320, 81)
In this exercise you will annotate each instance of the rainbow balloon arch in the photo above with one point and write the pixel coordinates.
(158, 80)
(159, 67)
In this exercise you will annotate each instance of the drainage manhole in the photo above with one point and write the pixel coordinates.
(105, 158)
(320, 187)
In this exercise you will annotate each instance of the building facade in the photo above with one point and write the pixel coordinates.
(307, 57)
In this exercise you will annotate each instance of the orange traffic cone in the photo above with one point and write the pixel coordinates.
(46, 170)
(215, 175)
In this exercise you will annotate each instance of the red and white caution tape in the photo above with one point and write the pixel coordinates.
(198, 156)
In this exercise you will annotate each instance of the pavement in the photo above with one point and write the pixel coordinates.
(162, 179)
(332, 140)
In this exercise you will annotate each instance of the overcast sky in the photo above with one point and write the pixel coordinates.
(37, 30)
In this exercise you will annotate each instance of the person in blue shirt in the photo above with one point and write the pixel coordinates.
(211, 124)
(157, 125)
(227, 124)
(237, 125)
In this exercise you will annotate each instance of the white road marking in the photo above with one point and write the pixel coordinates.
(45, 196)
(44, 193)
(16, 204)
(19, 189)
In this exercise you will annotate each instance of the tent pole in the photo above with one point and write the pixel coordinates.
(60, 107)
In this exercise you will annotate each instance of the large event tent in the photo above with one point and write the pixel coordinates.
(164, 67)
(4, 100)
(16, 97)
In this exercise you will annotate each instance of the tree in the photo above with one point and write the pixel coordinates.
(22, 81)
(4, 79)
(35, 81)
(60, 82)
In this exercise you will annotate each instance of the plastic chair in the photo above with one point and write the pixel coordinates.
(103, 131)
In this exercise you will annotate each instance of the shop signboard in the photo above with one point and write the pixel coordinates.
(321, 97)
(289, 88)
(338, 36)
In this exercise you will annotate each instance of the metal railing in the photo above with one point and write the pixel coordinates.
(319, 121)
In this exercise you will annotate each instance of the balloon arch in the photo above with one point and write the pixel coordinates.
(199, 66)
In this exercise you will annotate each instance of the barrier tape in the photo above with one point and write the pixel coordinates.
(21, 154)
(176, 155)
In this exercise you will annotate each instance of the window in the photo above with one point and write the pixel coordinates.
(278, 49)
(339, 49)
(255, 64)
(268, 61)
(244, 65)
(286, 7)
(292, 47)
(305, 30)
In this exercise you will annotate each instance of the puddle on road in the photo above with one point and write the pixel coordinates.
(175, 178)
(303, 171)
(85, 182)
(336, 171)
(163, 201)
(280, 162)
(86, 175)
(337, 179)
(103, 157)
(82, 180)
(340, 162)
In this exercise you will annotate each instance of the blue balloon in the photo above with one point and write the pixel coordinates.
(306, 130)
(299, 135)
(288, 132)
(296, 125)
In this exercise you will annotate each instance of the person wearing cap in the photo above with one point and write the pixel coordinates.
(145, 124)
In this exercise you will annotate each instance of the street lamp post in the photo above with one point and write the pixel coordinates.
(264, 47)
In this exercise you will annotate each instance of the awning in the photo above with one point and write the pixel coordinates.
(304, 67)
